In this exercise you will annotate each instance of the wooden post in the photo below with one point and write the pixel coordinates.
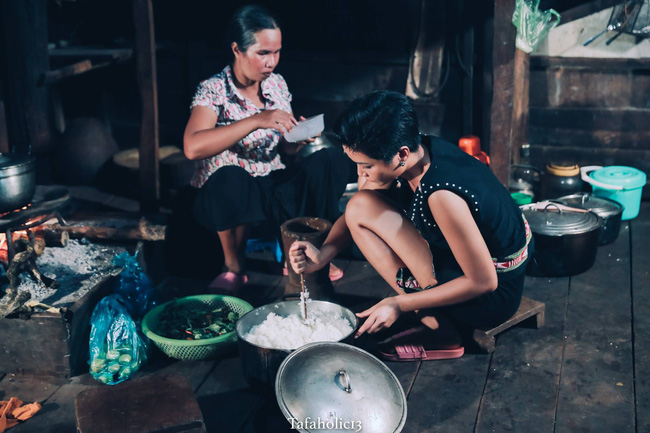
(145, 50)
(499, 70)
(520, 103)
(4, 140)
(24, 45)
(468, 81)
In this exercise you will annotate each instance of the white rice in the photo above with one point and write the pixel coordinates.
(291, 332)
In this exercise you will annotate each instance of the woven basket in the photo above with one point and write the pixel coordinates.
(190, 350)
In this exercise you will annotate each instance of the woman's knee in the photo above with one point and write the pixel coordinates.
(362, 205)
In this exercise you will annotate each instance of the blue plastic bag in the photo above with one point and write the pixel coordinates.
(135, 286)
(116, 348)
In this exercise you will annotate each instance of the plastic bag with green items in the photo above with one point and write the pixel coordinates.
(116, 348)
(532, 24)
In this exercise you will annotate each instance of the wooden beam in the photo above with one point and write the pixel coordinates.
(4, 140)
(86, 52)
(499, 70)
(468, 81)
(94, 58)
(520, 107)
(592, 63)
(67, 71)
(145, 50)
(23, 30)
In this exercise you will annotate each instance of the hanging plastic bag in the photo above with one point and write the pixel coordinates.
(116, 348)
(532, 24)
(135, 286)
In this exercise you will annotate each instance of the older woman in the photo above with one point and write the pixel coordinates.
(235, 133)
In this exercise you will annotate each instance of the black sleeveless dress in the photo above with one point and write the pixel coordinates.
(497, 216)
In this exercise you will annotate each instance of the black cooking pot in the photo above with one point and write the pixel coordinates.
(566, 242)
(17, 181)
(608, 210)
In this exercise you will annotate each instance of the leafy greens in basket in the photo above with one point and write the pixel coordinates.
(195, 321)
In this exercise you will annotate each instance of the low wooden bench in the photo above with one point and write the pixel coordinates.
(157, 403)
(529, 310)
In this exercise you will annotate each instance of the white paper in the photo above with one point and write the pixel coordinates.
(306, 129)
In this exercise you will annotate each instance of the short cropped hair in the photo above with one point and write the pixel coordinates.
(247, 21)
(378, 124)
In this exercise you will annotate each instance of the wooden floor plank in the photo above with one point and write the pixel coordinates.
(29, 388)
(57, 414)
(596, 388)
(195, 372)
(521, 390)
(640, 231)
(227, 401)
(226, 376)
(406, 373)
(446, 395)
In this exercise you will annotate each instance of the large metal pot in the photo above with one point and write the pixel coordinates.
(17, 181)
(260, 364)
(333, 387)
(609, 211)
(566, 242)
(323, 141)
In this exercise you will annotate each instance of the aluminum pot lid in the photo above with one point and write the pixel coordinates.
(555, 222)
(603, 207)
(341, 387)
(619, 175)
(11, 160)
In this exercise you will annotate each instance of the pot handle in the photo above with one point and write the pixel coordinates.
(343, 381)
(557, 206)
(584, 174)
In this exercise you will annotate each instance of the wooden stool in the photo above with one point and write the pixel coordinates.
(530, 310)
(153, 404)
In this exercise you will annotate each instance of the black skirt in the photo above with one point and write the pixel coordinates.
(490, 309)
(313, 187)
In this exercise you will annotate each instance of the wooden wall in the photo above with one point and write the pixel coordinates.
(591, 111)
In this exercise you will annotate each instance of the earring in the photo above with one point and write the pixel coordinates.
(402, 163)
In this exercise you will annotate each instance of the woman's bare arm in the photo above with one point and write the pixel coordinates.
(304, 257)
(203, 140)
(455, 220)
(464, 238)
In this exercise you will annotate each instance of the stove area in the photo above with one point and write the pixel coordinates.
(46, 204)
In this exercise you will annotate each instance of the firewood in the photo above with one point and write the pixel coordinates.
(39, 246)
(13, 300)
(144, 231)
(52, 238)
(25, 259)
(37, 243)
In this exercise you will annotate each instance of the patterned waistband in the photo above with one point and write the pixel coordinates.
(515, 260)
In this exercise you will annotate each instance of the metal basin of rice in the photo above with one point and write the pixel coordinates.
(260, 364)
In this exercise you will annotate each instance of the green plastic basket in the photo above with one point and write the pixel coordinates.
(190, 350)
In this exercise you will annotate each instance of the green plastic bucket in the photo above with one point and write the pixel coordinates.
(520, 198)
(619, 183)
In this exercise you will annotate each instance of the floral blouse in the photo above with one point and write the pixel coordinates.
(257, 153)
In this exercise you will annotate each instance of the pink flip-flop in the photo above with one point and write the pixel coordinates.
(335, 274)
(227, 283)
(417, 352)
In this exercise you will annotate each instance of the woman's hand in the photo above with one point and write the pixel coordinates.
(381, 315)
(290, 148)
(305, 258)
(276, 119)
